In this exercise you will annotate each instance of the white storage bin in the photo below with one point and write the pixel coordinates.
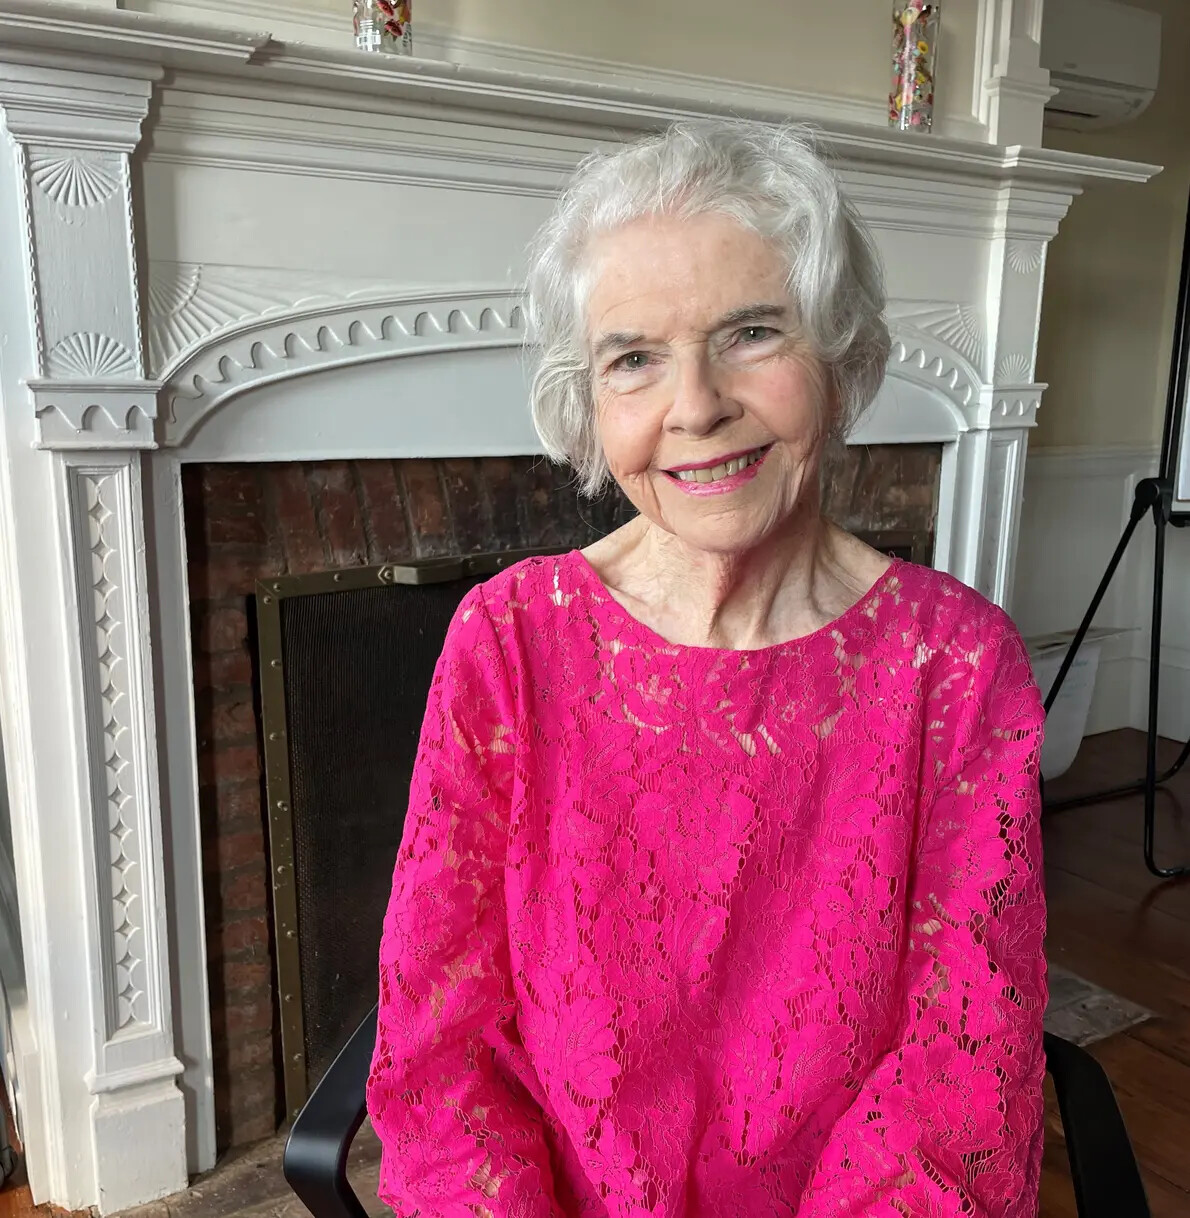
(1067, 720)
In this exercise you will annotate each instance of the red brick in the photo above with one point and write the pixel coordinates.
(384, 512)
(243, 891)
(339, 513)
(244, 976)
(293, 508)
(252, 1104)
(241, 528)
(500, 483)
(233, 722)
(226, 670)
(235, 803)
(244, 935)
(226, 487)
(221, 628)
(549, 504)
(245, 1016)
(237, 849)
(253, 1126)
(249, 1051)
(233, 571)
(469, 512)
(426, 501)
(231, 763)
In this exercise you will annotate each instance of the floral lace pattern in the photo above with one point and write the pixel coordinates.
(680, 931)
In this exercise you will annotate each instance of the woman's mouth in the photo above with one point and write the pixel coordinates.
(726, 475)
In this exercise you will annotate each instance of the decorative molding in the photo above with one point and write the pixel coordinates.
(1015, 407)
(1025, 257)
(29, 250)
(208, 375)
(95, 414)
(958, 326)
(81, 356)
(1014, 368)
(68, 101)
(101, 512)
(935, 366)
(189, 302)
(72, 180)
(308, 340)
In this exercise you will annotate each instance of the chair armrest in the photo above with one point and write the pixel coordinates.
(1107, 1181)
(315, 1162)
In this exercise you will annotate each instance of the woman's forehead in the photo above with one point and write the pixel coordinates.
(663, 272)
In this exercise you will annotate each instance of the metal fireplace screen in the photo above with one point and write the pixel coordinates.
(346, 663)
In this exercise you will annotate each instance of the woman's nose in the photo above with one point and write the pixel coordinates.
(699, 405)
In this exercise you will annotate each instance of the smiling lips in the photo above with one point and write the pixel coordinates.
(725, 475)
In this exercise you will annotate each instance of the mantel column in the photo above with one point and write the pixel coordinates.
(93, 889)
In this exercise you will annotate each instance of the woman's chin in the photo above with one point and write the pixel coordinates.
(727, 532)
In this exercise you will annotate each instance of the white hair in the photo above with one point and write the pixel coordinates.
(771, 180)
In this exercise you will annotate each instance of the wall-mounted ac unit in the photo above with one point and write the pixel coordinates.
(1103, 58)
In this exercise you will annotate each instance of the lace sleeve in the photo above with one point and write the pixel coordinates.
(949, 1122)
(449, 1092)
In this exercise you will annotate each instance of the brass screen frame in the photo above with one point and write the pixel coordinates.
(270, 594)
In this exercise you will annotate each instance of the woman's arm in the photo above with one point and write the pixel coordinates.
(449, 1089)
(949, 1122)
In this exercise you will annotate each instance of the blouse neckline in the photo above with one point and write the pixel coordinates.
(844, 620)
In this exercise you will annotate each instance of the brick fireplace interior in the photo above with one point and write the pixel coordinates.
(250, 522)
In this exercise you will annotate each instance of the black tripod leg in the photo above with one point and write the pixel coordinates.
(1151, 778)
(1145, 495)
(1183, 757)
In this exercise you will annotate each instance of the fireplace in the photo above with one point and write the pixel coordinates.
(262, 534)
(302, 309)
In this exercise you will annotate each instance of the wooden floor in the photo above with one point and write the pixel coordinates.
(1110, 922)
(1115, 924)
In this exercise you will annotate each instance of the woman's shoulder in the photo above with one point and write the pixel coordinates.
(523, 585)
(952, 624)
(943, 600)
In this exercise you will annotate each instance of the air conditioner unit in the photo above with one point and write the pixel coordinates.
(1103, 58)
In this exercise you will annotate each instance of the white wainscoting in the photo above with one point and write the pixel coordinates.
(1076, 504)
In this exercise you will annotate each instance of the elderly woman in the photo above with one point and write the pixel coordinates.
(720, 891)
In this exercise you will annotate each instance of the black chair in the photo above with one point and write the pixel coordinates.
(1106, 1179)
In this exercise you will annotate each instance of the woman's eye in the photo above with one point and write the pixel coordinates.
(634, 361)
(755, 334)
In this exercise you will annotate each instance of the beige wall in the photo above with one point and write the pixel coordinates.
(1112, 275)
(840, 47)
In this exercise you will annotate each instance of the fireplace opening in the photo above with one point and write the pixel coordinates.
(345, 523)
(346, 660)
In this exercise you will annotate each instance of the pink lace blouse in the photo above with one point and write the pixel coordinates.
(681, 931)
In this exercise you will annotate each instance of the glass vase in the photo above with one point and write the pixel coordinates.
(915, 54)
(384, 25)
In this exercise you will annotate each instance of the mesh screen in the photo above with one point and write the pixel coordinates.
(358, 666)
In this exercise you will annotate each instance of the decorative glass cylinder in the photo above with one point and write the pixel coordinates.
(384, 25)
(915, 53)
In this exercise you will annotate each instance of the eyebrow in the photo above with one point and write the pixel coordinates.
(619, 340)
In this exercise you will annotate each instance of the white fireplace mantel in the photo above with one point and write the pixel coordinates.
(237, 249)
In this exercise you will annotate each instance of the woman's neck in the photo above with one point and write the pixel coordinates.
(793, 583)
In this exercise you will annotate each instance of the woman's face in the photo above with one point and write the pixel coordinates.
(711, 410)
